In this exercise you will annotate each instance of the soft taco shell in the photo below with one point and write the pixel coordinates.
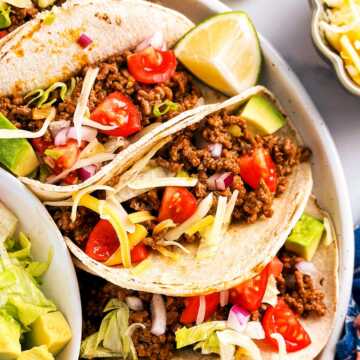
(244, 251)
(319, 328)
(37, 55)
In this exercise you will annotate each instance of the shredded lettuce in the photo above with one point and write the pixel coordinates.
(228, 339)
(23, 295)
(209, 346)
(113, 338)
(199, 333)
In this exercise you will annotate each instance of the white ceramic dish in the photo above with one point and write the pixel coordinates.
(60, 282)
(323, 46)
(330, 187)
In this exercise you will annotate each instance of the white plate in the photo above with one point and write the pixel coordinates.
(60, 282)
(330, 187)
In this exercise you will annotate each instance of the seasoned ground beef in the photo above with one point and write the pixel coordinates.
(95, 293)
(19, 16)
(113, 76)
(79, 230)
(187, 152)
(298, 289)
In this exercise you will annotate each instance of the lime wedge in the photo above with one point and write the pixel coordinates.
(223, 51)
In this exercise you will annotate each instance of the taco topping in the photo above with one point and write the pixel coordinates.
(18, 14)
(111, 100)
(210, 327)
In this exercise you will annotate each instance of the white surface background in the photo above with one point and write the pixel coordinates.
(286, 23)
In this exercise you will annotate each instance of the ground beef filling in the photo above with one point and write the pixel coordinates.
(299, 290)
(95, 293)
(184, 153)
(78, 230)
(19, 16)
(113, 76)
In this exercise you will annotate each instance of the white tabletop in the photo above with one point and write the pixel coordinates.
(286, 23)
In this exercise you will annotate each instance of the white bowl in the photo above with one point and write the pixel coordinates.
(60, 282)
(330, 187)
(324, 47)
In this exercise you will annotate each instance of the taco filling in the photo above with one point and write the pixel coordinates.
(79, 125)
(265, 314)
(14, 13)
(188, 189)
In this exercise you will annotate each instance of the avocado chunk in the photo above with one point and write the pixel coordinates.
(10, 331)
(36, 353)
(262, 116)
(305, 237)
(16, 154)
(5, 20)
(52, 330)
(45, 3)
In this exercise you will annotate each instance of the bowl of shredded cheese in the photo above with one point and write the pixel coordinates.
(336, 33)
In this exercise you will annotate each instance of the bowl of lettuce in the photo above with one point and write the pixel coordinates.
(40, 308)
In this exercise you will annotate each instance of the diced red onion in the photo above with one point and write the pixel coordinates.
(134, 303)
(87, 133)
(56, 126)
(220, 181)
(156, 40)
(61, 137)
(87, 172)
(308, 268)
(224, 298)
(84, 41)
(238, 318)
(158, 315)
(202, 309)
(215, 149)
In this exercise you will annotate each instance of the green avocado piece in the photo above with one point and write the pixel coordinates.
(10, 331)
(305, 237)
(16, 154)
(45, 3)
(5, 20)
(52, 330)
(36, 353)
(262, 116)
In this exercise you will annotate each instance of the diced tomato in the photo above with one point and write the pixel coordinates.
(3, 33)
(280, 319)
(103, 242)
(139, 253)
(118, 109)
(152, 66)
(275, 267)
(40, 145)
(71, 179)
(250, 293)
(192, 304)
(70, 155)
(177, 204)
(257, 166)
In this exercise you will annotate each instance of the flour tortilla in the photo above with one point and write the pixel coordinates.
(37, 55)
(319, 328)
(245, 248)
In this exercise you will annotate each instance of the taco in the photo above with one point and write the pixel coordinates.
(208, 192)
(285, 312)
(101, 80)
(15, 13)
